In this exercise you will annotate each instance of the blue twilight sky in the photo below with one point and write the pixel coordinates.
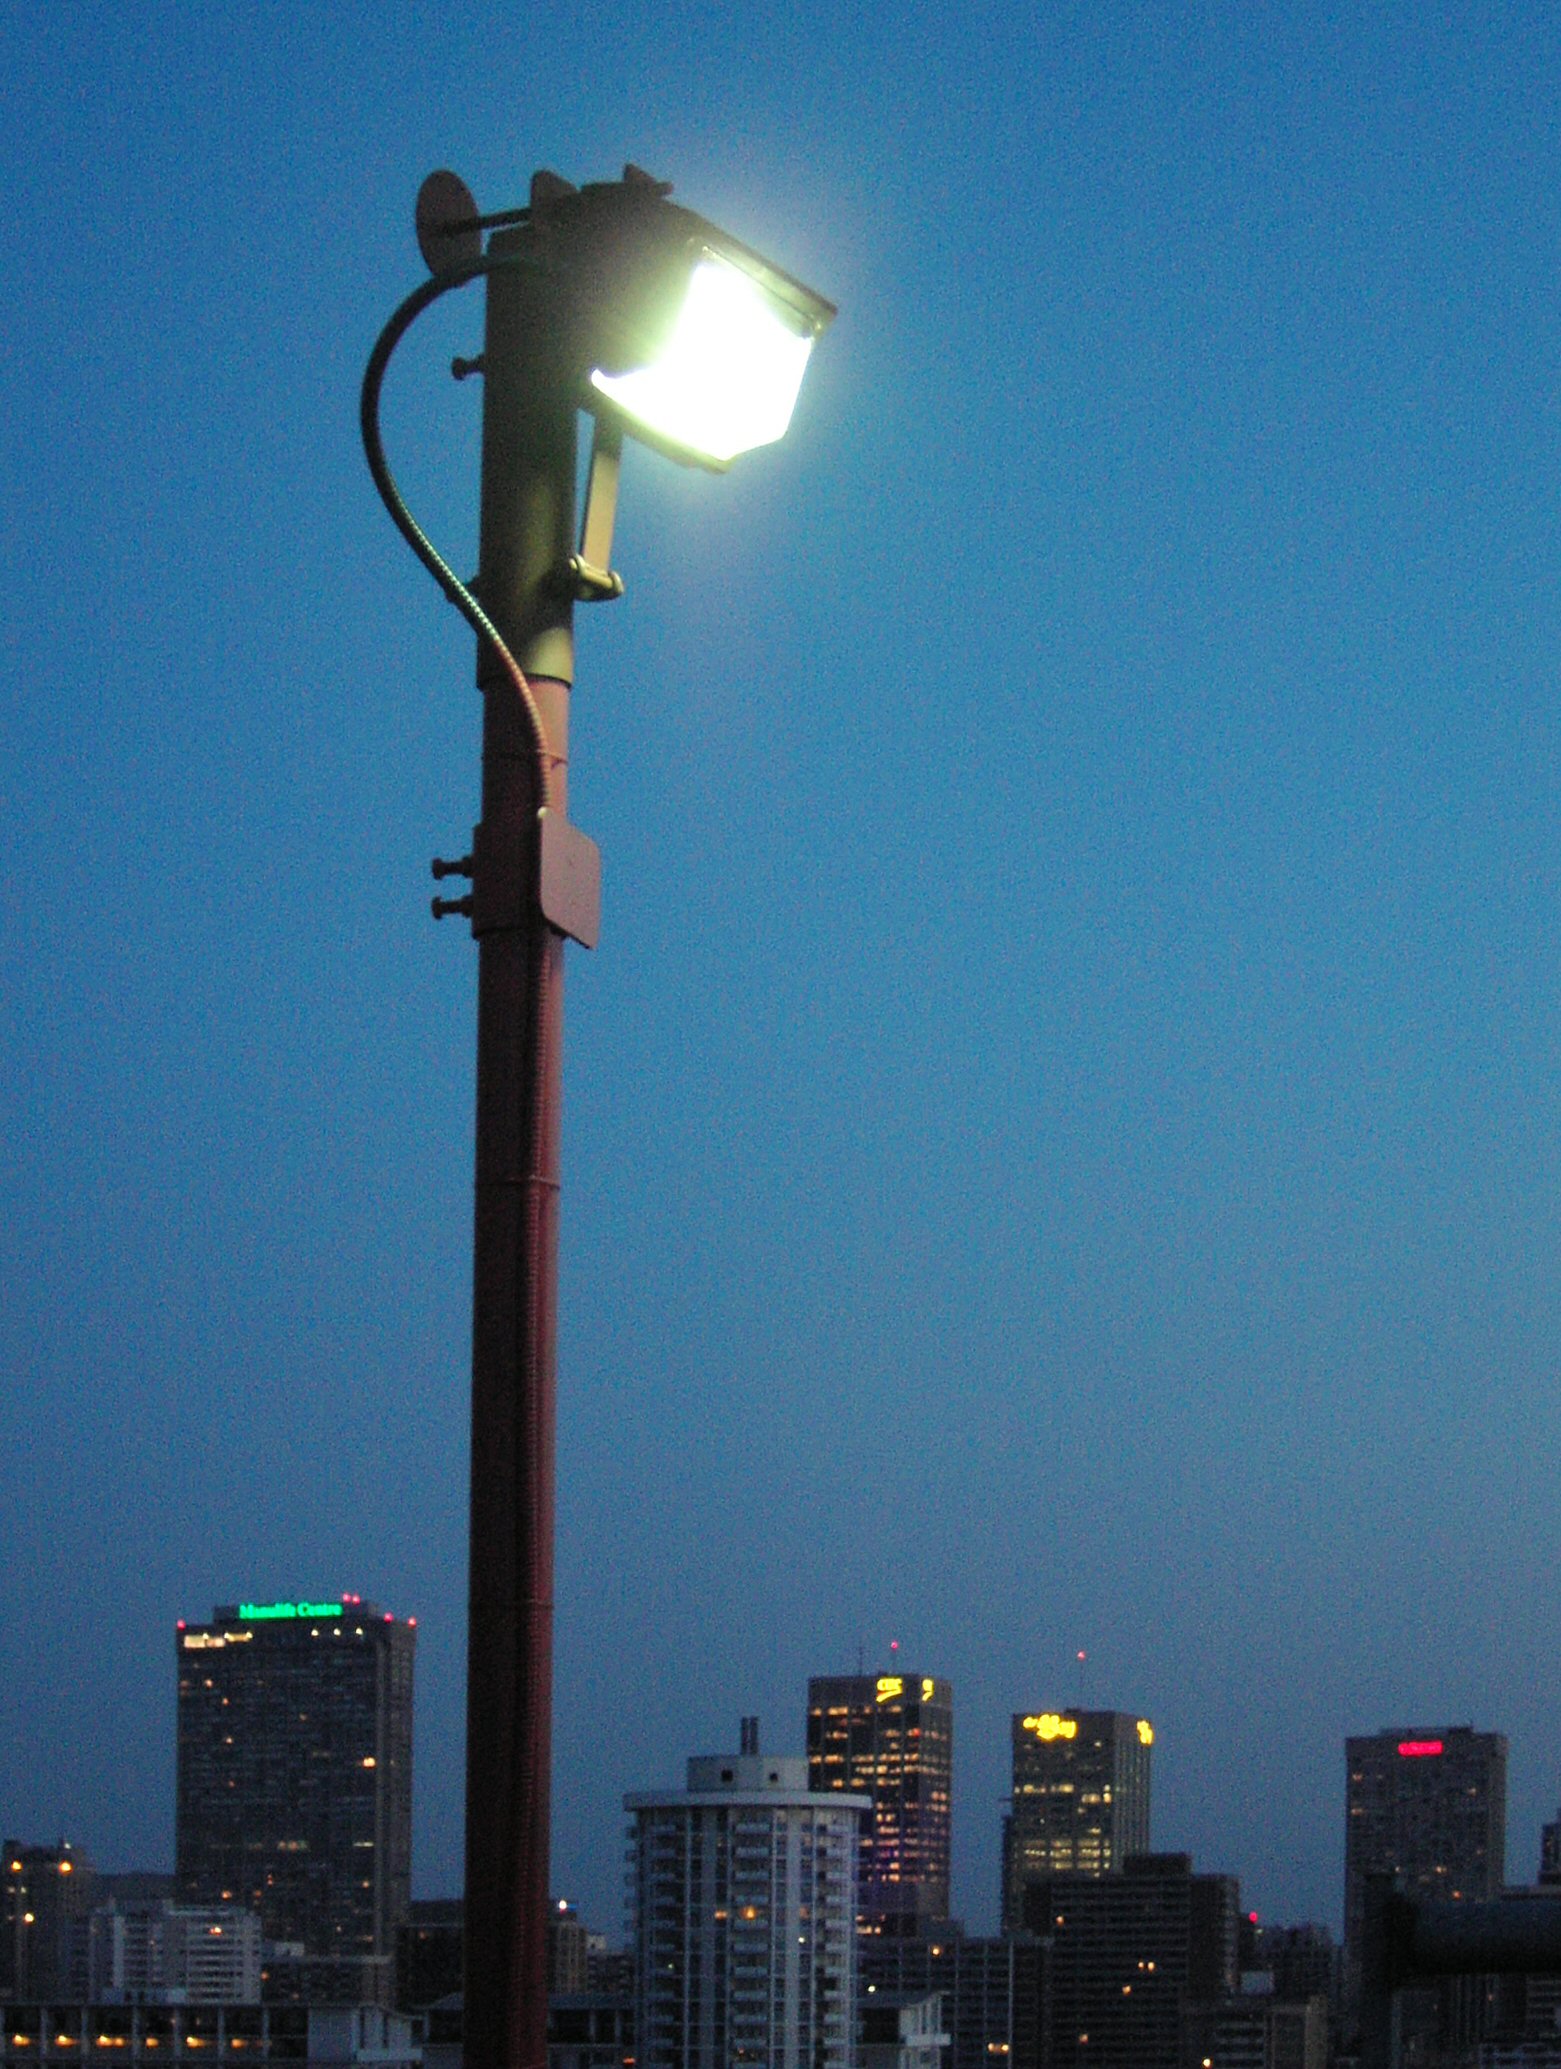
(1062, 1136)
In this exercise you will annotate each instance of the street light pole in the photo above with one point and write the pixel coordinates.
(609, 297)
(527, 537)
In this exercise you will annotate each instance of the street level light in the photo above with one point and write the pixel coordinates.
(611, 299)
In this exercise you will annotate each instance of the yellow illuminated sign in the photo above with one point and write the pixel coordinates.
(1145, 1732)
(926, 1691)
(1050, 1726)
(889, 1686)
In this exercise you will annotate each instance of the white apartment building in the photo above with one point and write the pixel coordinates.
(158, 1952)
(744, 1899)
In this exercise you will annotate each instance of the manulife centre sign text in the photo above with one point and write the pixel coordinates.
(268, 1612)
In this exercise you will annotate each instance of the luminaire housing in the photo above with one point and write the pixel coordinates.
(691, 341)
(724, 376)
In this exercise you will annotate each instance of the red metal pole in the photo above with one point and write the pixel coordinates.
(528, 497)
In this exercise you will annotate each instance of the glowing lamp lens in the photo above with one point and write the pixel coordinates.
(726, 380)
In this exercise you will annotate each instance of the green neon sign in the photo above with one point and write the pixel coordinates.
(268, 1612)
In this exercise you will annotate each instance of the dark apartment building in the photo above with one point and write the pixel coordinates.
(295, 1783)
(1135, 1959)
(891, 1737)
(992, 1992)
(430, 1949)
(1302, 1960)
(46, 1893)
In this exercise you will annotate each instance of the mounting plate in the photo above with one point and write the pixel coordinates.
(571, 880)
(449, 233)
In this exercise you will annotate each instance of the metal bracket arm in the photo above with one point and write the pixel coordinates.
(591, 567)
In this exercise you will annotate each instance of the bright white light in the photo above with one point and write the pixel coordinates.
(728, 376)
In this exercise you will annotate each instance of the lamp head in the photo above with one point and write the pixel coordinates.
(694, 343)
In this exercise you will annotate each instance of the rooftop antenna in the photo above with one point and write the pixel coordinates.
(1082, 1657)
(861, 1658)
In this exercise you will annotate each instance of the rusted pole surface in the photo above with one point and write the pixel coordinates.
(528, 494)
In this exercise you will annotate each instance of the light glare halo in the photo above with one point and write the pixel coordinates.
(728, 376)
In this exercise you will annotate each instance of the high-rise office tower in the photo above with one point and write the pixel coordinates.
(1429, 1804)
(1080, 1800)
(744, 1917)
(295, 1780)
(891, 1737)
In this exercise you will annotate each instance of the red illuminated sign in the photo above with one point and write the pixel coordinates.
(1418, 1749)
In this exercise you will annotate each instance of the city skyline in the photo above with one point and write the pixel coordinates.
(388, 1718)
(1061, 1129)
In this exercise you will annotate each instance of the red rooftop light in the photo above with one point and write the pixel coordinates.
(1418, 1749)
